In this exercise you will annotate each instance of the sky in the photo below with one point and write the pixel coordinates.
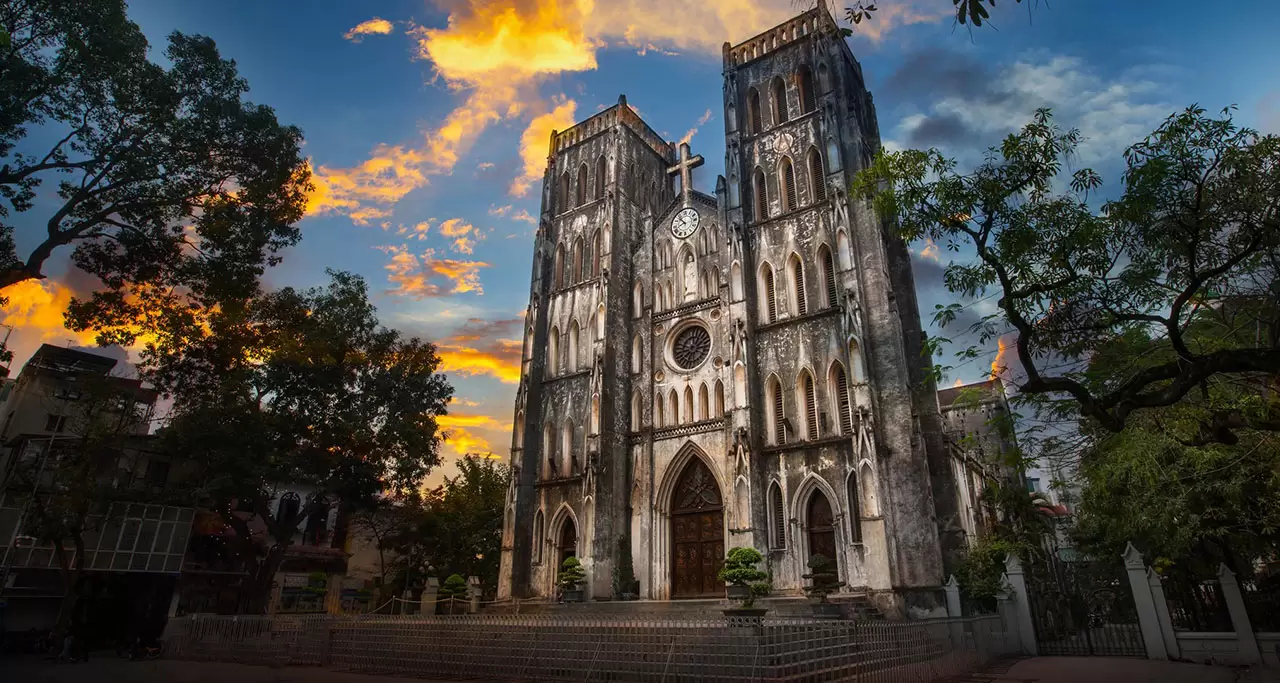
(426, 126)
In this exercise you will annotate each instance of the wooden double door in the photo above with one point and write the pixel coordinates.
(697, 534)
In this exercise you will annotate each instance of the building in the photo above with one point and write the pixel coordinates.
(978, 430)
(739, 369)
(69, 422)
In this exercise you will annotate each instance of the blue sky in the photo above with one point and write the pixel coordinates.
(424, 125)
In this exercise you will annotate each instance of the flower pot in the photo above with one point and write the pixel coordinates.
(573, 595)
(736, 592)
(827, 610)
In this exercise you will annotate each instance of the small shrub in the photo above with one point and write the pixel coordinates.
(571, 573)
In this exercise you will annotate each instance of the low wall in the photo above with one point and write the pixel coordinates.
(583, 648)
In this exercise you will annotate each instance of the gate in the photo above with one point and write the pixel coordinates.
(1083, 608)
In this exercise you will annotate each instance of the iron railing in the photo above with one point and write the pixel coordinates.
(1196, 604)
(568, 648)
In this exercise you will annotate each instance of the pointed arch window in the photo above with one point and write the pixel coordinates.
(564, 192)
(799, 299)
(851, 493)
(572, 363)
(719, 399)
(777, 518)
(770, 295)
(600, 177)
(659, 418)
(673, 407)
(637, 301)
(582, 184)
(804, 82)
(549, 451)
(688, 406)
(635, 354)
(753, 112)
(704, 403)
(809, 406)
(553, 352)
(777, 414)
(760, 194)
(840, 390)
(557, 268)
(779, 91)
(817, 180)
(566, 448)
(828, 267)
(788, 182)
(594, 256)
(824, 77)
(519, 435)
(576, 252)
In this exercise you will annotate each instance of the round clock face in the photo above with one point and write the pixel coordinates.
(685, 223)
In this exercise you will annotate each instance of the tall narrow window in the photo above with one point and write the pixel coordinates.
(600, 177)
(576, 251)
(673, 407)
(704, 403)
(753, 112)
(537, 537)
(549, 451)
(804, 83)
(840, 389)
(788, 182)
(566, 449)
(557, 276)
(595, 255)
(635, 355)
(810, 399)
(761, 195)
(855, 527)
(658, 418)
(770, 295)
(828, 267)
(817, 179)
(553, 352)
(688, 405)
(777, 518)
(637, 301)
(582, 184)
(719, 399)
(519, 435)
(778, 421)
(635, 412)
(800, 302)
(572, 364)
(780, 114)
(564, 192)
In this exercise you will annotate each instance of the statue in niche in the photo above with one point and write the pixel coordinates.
(841, 210)
(742, 460)
(852, 314)
(513, 484)
(589, 474)
(735, 236)
(738, 340)
(575, 466)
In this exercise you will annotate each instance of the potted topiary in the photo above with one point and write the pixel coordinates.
(739, 573)
(571, 576)
(823, 581)
(454, 589)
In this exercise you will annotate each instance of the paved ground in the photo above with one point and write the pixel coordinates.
(1034, 670)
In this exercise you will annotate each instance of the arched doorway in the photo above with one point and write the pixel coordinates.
(568, 541)
(697, 533)
(821, 527)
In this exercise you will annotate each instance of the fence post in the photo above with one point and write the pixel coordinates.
(473, 592)
(1152, 636)
(1162, 614)
(1008, 616)
(955, 612)
(1248, 643)
(1022, 604)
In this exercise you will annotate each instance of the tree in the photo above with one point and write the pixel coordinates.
(299, 388)
(170, 188)
(1193, 240)
(972, 12)
(458, 526)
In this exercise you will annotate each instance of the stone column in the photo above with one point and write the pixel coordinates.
(1008, 617)
(1248, 643)
(1152, 637)
(1162, 614)
(430, 591)
(473, 591)
(1022, 605)
(955, 612)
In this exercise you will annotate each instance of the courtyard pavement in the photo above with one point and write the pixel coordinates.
(1120, 670)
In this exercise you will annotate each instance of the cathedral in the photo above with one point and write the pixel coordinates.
(739, 369)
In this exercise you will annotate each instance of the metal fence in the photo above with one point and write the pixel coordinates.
(566, 648)
(1196, 604)
(1262, 602)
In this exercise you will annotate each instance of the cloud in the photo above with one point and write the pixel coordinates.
(463, 234)
(496, 54)
(422, 275)
(374, 26)
(484, 166)
(523, 215)
(499, 211)
(484, 347)
(963, 106)
(693, 131)
(35, 314)
(534, 141)
(894, 15)
(1269, 113)
(461, 432)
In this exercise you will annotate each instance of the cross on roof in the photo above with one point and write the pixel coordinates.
(685, 167)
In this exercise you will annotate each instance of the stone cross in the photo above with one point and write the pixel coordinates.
(685, 167)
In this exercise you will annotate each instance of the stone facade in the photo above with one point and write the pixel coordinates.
(743, 369)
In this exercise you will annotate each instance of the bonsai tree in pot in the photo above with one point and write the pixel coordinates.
(823, 581)
(739, 573)
(571, 576)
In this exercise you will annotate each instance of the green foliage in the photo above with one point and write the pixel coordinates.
(823, 578)
(454, 587)
(972, 12)
(571, 573)
(170, 188)
(740, 567)
(299, 388)
(980, 572)
(1193, 240)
